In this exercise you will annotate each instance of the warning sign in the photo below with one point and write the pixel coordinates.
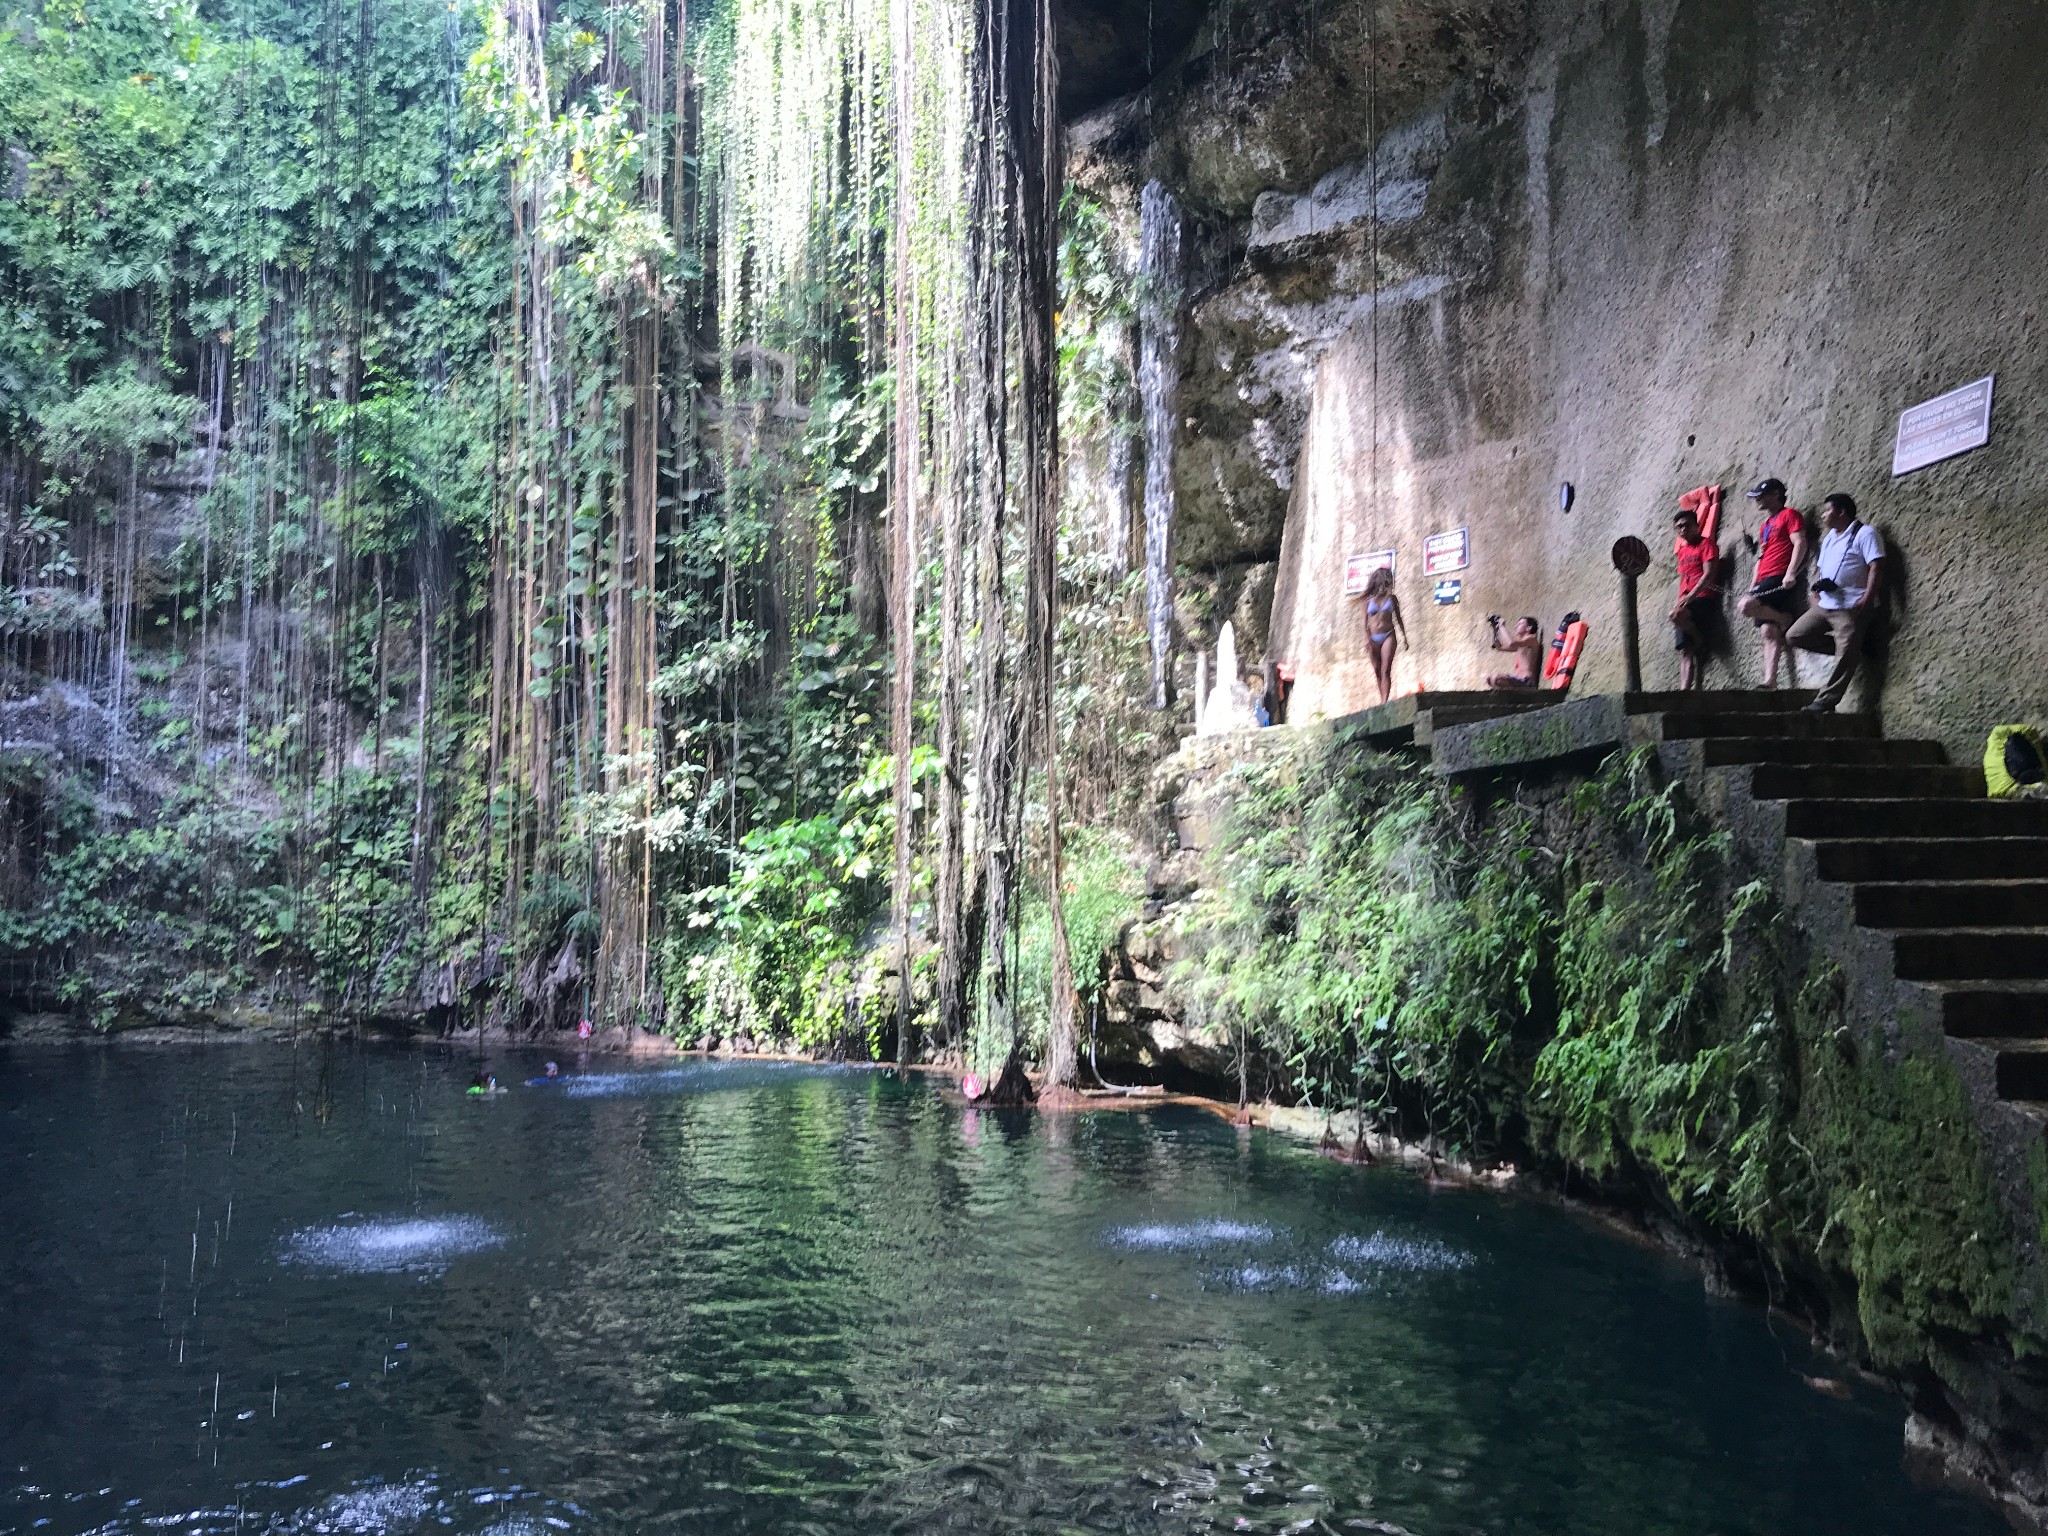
(1443, 553)
(1359, 567)
(1943, 427)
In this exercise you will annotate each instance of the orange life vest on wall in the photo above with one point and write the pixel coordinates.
(1563, 659)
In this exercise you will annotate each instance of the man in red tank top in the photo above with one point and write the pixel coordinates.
(1781, 545)
(1699, 597)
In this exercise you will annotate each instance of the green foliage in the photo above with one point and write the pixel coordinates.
(1102, 891)
(1098, 309)
(768, 954)
(1882, 1154)
(1367, 938)
(1645, 1060)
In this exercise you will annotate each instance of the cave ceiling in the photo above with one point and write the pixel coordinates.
(1109, 48)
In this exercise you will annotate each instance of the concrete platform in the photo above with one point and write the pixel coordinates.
(1586, 728)
(1414, 719)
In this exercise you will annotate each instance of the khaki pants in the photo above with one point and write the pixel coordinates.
(1832, 631)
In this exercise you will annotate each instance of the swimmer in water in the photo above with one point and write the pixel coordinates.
(484, 1082)
(553, 1070)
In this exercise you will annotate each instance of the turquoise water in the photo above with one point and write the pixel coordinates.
(259, 1290)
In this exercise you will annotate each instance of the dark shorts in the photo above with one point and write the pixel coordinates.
(1772, 592)
(1702, 608)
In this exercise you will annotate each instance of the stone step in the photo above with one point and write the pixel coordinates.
(1727, 701)
(2023, 1070)
(1473, 714)
(1953, 904)
(1497, 699)
(1734, 751)
(1995, 1010)
(1855, 860)
(1884, 820)
(1794, 781)
(1978, 954)
(1796, 725)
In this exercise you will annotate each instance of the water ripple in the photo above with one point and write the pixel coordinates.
(691, 1079)
(1415, 1255)
(1189, 1236)
(399, 1245)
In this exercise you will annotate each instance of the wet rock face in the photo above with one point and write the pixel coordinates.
(1108, 48)
(1637, 248)
(1262, 127)
(1272, 95)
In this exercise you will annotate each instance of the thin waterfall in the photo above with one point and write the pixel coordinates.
(1159, 275)
(1123, 454)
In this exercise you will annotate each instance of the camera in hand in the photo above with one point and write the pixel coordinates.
(1493, 619)
(1826, 584)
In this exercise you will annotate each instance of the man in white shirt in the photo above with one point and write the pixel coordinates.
(1848, 576)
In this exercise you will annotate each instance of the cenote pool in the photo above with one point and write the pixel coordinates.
(264, 1290)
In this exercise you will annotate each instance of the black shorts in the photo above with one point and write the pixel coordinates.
(1772, 592)
(1702, 609)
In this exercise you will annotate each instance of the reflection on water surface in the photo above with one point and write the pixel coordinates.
(255, 1290)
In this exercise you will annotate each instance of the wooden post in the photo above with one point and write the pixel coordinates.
(1631, 557)
(1631, 640)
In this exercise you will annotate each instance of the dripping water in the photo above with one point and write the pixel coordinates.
(1159, 274)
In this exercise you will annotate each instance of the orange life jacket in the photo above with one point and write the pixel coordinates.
(1563, 659)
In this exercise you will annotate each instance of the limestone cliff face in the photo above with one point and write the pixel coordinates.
(1637, 247)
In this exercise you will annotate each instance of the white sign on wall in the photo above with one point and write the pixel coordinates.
(1360, 567)
(1943, 427)
(1443, 553)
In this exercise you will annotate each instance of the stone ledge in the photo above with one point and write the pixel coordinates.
(1578, 728)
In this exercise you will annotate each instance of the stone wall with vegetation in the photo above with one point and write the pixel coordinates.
(1580, 976)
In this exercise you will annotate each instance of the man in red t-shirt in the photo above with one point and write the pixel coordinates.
(1699, 597)
(1781, 546)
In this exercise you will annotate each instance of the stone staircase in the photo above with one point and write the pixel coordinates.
(1932, 897)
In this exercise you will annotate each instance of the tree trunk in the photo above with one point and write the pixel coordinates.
(902, 515)
(1034, 119)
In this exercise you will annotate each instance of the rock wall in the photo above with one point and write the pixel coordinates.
(1637, 247)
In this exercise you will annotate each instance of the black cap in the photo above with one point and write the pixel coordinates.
(1765, 487)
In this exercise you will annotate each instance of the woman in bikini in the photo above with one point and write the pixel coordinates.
(1382, 619)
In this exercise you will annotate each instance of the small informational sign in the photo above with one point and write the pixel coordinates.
(1447, 592)
(1360, 567)
(1943, 427)
(1443, 553)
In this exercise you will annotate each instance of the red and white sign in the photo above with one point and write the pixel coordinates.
(1943, 427)
(1443, 553)
(1360, 567)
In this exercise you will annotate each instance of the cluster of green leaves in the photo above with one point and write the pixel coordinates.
(1650, 1057)
(772, 952)
(177, 917)
(1372, 939)
(1101, 890)
(1098, 311)
(1391, 946)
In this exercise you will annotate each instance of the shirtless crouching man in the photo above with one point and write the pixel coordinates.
(1523, 645)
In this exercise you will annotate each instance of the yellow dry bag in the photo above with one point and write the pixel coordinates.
(2014, 759)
